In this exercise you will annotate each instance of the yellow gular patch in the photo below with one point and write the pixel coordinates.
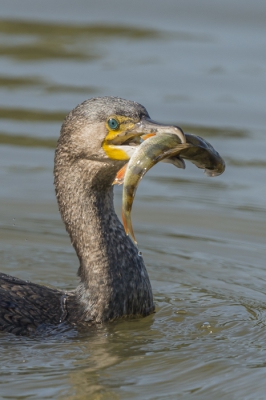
(112, 151)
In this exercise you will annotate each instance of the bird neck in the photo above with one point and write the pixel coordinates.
(114, 280)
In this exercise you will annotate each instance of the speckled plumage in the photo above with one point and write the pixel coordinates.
(113, 279)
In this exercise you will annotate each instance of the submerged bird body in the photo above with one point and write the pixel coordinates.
(96, 140)
(25, 306)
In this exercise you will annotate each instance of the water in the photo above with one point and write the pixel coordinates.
(200, 65)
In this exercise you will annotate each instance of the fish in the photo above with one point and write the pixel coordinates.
(164, 147)
(149, 153)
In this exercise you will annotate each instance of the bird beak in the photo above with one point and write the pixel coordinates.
(148, 127)
(123, 145)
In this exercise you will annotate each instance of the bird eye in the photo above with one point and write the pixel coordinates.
(113, 124)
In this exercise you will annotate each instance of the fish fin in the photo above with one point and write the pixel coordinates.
(119, 179)
(176, 161)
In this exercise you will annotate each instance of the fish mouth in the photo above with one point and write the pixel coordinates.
(131, 137)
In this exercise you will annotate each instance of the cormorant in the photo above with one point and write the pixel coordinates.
(96, 140)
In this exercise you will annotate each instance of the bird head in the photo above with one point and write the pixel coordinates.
(108, 130)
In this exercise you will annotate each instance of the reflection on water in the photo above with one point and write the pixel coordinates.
(203, 239)
(15, 140)
(17, 83)
(31, 115)
(70, 30)
(72, 41)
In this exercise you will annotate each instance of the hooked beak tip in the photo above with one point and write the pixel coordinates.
(147, 127)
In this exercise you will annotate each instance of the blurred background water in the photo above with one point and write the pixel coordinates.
(201, 65)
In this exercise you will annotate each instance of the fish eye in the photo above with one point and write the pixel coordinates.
(113, 124)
